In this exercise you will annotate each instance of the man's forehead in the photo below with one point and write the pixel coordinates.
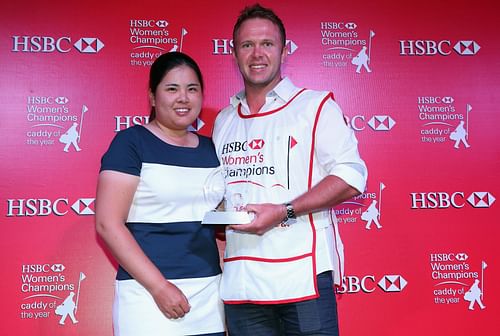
(262, 28)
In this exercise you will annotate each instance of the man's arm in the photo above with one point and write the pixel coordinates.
(336, 151)
(328, 193)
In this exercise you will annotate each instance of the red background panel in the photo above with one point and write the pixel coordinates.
(433, 243)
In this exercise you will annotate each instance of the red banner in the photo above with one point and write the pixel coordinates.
(418, 82)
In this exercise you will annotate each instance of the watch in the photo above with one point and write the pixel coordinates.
(290, 212)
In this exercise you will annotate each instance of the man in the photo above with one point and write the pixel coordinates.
(290, 156)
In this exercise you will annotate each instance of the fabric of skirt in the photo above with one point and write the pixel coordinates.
(136, 313)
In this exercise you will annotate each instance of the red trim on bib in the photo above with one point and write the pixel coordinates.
(309, 185)
(273, 260)
(304, 298)
(246, 181)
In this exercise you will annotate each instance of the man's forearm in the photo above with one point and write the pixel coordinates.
(328, 193)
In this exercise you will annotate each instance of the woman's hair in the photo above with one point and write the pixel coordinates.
(163, 64)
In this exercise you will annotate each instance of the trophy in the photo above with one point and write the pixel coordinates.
(227, 212)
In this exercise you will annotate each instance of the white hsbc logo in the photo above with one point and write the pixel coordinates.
(48, 44)
(44, 207)
(392, 283)
(376, 123)
(368, 284)
(448, 257)
(443, 200)
(431, 47)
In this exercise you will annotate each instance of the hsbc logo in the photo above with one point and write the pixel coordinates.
(162, 23)
(338, 25)
(89, 45)
(83, 206)
(392, 283)
(462, 256)
(48, 100)
(466, 48)
(381, 123)
(448, 100)
(238, 146)
(44, 207)
(448, 257)
(376, 123)
(43, 268)
(443, 200)
(431, 48)
(435, 100)
(61, 100)
(351, 25)
(369, 283)
(225, 46)
(481, 199)
(141, 23)
(48, 44)
(234, 147)
(256, 144)
(57, 268)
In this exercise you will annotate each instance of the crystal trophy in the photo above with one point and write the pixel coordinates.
(230, 212)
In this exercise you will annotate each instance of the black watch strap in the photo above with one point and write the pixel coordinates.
(290, 211)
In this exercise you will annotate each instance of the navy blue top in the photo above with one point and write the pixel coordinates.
(170, 188)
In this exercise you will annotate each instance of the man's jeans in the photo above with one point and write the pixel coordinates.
(311, 317)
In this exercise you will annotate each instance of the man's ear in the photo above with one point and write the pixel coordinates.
(284, 53)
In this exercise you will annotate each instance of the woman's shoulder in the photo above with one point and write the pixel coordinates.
(131, 134)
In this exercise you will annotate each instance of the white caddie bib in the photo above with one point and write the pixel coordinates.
(269, 158)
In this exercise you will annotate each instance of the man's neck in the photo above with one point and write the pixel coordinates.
(256, 95)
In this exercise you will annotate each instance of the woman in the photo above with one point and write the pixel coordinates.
(150, 200)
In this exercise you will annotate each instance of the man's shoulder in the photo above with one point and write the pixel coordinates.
(228, 110)
(223, 117)
(313, 95)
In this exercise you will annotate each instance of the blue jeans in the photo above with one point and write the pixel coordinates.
(312, 317)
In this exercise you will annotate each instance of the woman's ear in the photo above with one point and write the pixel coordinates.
(151, 98)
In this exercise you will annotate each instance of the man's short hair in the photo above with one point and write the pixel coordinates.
(257, 11)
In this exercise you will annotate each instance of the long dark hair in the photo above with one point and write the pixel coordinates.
(163, 64)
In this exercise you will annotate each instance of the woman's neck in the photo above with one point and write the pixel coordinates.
(182, 138)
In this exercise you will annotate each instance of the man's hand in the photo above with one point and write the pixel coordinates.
(266, 216)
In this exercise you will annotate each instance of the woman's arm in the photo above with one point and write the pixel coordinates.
(115, 192)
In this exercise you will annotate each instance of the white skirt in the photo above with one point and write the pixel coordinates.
(136, 313)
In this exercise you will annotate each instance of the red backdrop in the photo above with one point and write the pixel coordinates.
(428, 67)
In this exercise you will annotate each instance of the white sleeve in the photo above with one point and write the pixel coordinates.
(336, 147)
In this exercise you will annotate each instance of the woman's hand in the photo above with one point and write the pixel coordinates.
(171, 300)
